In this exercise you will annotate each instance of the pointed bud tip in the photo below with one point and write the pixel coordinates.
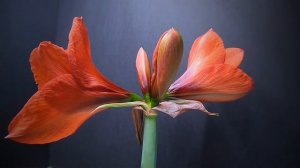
(171, 33)
(211, 30)
(173, 30)
(142, 52)
(141, 49)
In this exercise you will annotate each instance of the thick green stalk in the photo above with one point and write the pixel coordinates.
(149, 141)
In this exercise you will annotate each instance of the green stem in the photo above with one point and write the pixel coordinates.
(149, 141)
(116, 105)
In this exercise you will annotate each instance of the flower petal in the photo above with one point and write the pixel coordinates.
(215, 83)
(143, 70)
(83, 69)
(47, 62)
(177, 107)
(234, 56)
(166, 60)
(138, 120)
(56, 111)
(207, 49)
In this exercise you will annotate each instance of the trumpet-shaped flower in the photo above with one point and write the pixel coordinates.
(213, 73)
(70, 88)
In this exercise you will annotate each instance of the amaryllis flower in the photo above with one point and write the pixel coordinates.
(70, 88)
(212, 75)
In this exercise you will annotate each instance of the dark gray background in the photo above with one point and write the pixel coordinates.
(258, 131)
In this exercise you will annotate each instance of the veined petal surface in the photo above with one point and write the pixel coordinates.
(234, 56)
(56, 111)
(47, 62)
(215, 83)
(83, 69)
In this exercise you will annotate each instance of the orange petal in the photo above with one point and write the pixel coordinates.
(207, 49)
(143, 70)
(166, 60)
(83, 69)
(47, 62)
(215, 83)
(234, 56)
(56, 111)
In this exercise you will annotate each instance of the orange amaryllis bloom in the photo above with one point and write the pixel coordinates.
(213, 73)
(166, 59)
(212, 76)
(70, 88)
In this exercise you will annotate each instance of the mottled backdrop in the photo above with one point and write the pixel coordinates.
(259, 131)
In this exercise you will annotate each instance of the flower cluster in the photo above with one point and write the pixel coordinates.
(71, 89)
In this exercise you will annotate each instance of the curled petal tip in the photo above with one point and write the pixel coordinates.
(11, 136)
(180, 106)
